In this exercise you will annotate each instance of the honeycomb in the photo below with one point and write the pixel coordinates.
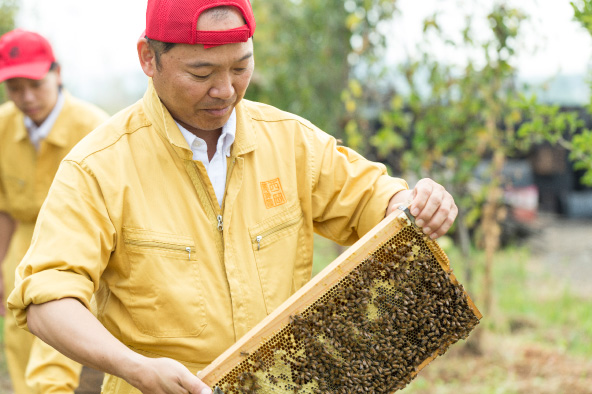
(371, 331)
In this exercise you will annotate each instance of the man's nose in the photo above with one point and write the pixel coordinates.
(28, 95)
(223, 88)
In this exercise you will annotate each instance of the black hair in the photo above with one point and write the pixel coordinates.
(159, 48)
(53, 67)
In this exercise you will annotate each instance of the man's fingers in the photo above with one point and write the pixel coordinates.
(194, 385)
(445, 221)
(429, 196)
(439, 216)
(433, 207)
(421, 194)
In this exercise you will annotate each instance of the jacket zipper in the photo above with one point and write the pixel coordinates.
(275, 229)
(228, 174)
(162, 245)
(221, 208)
(217, 210)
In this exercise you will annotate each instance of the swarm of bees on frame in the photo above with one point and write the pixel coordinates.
(368, 333)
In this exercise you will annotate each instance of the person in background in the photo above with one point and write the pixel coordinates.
(190, 215)
(38, 127)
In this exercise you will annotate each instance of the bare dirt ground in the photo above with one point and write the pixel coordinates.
(507, 366)
(5, 387)
(563, 249)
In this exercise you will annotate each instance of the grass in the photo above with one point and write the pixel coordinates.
(532, 303)
(325, 252)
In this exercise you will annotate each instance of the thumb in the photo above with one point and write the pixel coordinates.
(194, 385)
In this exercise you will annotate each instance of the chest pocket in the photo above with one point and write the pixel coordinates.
(166, 295)
(277, 244)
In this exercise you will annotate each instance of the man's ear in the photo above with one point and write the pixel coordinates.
(147, 57)
(58, 72)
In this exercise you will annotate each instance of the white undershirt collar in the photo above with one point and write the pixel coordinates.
(217, 167)
(39, 133)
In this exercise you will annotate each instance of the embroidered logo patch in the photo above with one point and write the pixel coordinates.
(14, 52)
(273, 195)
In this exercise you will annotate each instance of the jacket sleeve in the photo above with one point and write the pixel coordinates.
(350, 193)
(49, 371)
(71, 244)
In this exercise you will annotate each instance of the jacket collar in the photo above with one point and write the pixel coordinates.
(245, 140)
(164, 124)
(59, 133)
(19, 125)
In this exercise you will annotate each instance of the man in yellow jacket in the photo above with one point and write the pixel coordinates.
(190, 215)
(38, 127)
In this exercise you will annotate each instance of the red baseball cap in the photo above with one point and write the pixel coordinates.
(24, 54)
(176, 21)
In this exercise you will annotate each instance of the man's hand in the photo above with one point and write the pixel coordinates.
(166, 376)
(431, 205)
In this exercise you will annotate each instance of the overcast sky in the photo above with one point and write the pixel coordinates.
(550, 41)
(95, 41)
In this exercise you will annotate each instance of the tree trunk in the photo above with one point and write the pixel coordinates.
(492, 215)
(464, 240)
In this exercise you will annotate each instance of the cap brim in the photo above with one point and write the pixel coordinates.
(36, 70)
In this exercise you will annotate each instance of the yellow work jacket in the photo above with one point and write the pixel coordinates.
(133, 218)
(25, 177)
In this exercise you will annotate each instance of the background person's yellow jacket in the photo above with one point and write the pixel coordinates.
(132, 217)
(25, 177)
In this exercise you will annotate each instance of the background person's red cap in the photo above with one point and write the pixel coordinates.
(24, 54)
(176, 21)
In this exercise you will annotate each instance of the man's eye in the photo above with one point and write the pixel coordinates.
(201, 77)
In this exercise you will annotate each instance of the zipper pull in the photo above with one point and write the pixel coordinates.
(188, 249)
(220, 224)
(259, 238)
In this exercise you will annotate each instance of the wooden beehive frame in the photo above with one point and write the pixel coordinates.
(318, 286)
